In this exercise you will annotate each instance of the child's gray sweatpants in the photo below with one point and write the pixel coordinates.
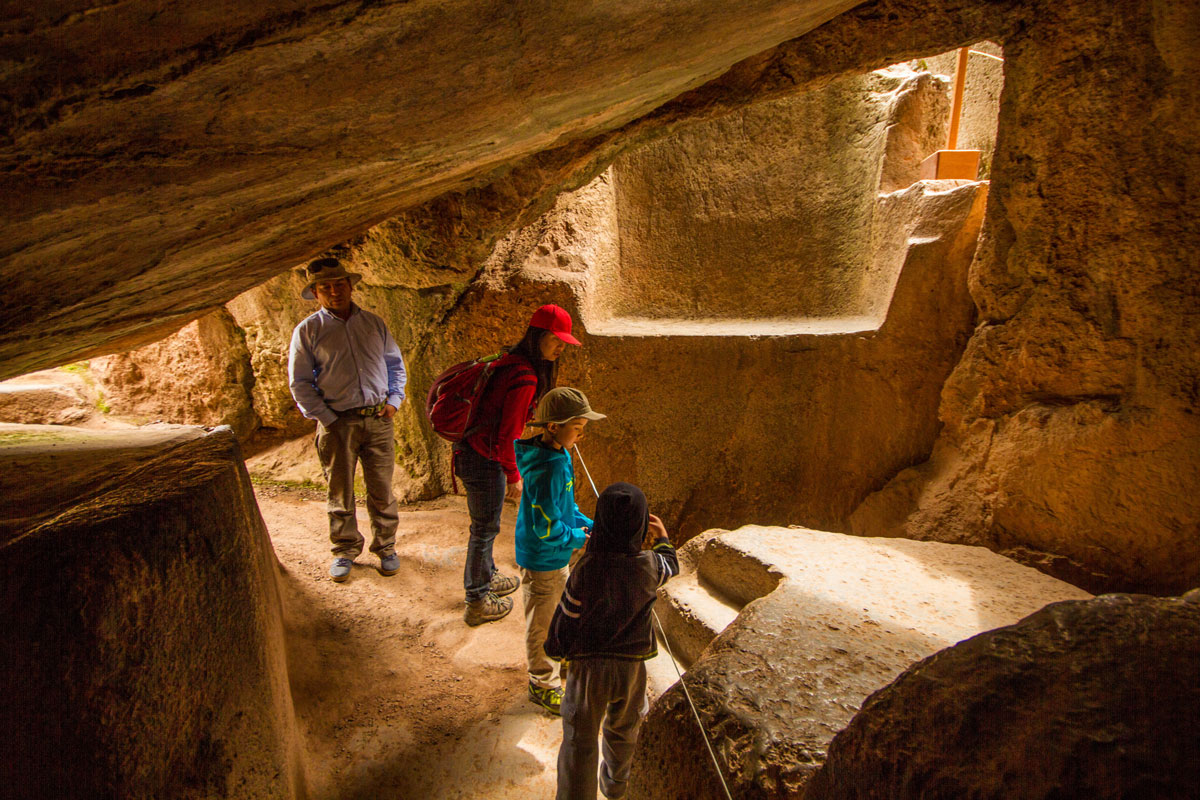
(602, 694)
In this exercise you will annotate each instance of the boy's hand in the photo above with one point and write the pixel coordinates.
(654, 530)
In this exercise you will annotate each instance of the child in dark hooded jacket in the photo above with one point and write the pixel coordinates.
(602, 626)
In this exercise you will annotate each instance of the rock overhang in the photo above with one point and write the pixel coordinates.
(147, 181)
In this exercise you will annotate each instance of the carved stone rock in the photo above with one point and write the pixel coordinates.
(825, 620)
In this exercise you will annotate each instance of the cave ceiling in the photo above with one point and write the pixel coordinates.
(159, 158)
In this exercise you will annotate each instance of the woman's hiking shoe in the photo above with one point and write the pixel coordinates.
(503, 584)
(389, 565)
(487, 608)
(340, 570)
(549, 699)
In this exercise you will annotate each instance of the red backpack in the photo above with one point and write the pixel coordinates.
(455, 394)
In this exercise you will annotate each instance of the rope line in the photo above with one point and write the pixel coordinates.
(703, 733)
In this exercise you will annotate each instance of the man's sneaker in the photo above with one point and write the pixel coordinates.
(487, 608)
(503, 584)
(340, 569)
(389, 565)
(549, 699)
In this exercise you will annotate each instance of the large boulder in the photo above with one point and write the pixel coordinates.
(64, 396)
(157, 164)
(1095, 699)
(143, 653)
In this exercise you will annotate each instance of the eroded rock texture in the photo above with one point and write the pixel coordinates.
(143, 649)
(201, 375)
(1091, 699)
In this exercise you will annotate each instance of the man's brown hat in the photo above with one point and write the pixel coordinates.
(326, 269)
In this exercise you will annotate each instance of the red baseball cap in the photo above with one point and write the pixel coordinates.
(556, 320)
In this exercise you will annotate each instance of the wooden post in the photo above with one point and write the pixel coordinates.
(960, 79)
(953, 163)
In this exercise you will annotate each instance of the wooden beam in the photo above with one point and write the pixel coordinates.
(960, 75)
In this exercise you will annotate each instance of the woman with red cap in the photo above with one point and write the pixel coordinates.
(485, 462)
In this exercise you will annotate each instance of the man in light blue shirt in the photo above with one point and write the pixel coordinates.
(346, 372)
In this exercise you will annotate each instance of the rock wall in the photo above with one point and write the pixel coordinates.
(143, 653)
(201, 375)
(1071, 430)
(1092, 698)
(768, 213)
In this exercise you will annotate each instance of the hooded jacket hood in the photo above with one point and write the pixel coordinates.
(621, 520)
(533, 456)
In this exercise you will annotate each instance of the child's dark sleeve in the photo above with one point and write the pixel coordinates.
(666, 563)
(564, 623)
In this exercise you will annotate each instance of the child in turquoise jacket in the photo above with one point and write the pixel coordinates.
(550, 527)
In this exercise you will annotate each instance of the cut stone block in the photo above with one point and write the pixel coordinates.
(692, 616)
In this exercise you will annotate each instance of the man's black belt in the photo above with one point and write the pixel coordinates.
(363, 411)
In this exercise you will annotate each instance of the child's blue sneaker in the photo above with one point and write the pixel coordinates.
(389, 565)
(340, 569)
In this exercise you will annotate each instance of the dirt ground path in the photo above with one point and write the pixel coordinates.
(396, 696)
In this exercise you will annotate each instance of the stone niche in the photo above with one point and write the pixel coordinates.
(768, 219)
(143, 652)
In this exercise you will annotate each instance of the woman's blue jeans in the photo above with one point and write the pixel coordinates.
(485, 484)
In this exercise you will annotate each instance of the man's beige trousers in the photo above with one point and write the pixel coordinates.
(370, 441)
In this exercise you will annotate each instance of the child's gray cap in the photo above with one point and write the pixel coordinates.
(563, 405)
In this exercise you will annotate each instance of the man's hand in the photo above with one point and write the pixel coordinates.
(655, 530)
(387, 412)
(513, 490)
